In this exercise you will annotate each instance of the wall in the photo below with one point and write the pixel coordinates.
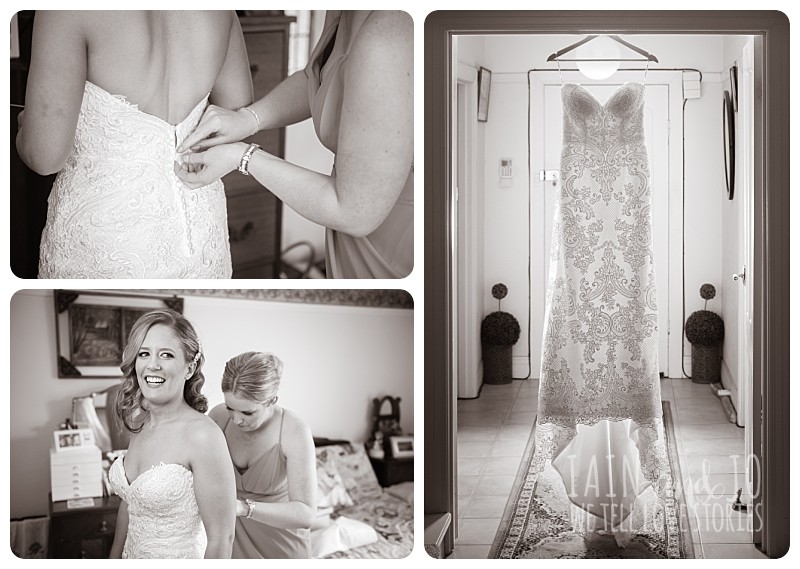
(336, 359)
(506, 224)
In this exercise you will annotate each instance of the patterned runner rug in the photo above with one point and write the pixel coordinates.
(532, 528)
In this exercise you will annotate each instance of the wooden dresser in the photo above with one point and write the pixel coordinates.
(254, 214)
(83, 533)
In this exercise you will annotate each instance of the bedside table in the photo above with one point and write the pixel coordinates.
(393, 470)
(83, 533)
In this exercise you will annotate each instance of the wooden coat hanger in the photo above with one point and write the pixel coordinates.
(646, 56)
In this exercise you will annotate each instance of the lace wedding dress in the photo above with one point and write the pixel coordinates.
(599, 425)
(163, 518)
(117, 209)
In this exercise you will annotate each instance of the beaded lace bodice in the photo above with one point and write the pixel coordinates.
(163, 517)
(118, 210)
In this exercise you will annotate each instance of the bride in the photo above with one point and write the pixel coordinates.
(176, 479)
(110, 96)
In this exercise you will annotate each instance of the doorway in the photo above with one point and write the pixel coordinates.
(770, 255)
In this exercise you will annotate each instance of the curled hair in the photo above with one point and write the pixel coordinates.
(253, 375)
(130, 401)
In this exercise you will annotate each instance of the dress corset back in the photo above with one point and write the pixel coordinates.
(118, 210)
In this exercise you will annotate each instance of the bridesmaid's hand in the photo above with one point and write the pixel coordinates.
(198, 169)
(241, 508)
(220, 126)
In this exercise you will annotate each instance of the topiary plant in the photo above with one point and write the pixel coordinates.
(703, 327)
(500, 329)
(705, 330)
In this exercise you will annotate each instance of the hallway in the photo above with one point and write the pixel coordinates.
(493, 431)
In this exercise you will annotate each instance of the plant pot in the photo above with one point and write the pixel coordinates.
(496, 364)
(705, 363)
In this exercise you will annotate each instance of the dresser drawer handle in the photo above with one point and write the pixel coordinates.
(104, 528)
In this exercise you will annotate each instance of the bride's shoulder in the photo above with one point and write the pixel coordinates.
(200, 429)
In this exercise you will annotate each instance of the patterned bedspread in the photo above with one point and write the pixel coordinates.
(391, 517)
(393, 520)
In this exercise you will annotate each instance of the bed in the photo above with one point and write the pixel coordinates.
(358, 518)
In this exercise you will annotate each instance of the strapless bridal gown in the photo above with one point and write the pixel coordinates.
(163, 518)
(117, 209)
(599, 424)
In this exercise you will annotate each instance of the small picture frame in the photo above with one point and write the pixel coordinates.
(484, 89)
(71, 439)
(402, 446)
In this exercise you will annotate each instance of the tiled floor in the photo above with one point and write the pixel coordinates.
(494, 429)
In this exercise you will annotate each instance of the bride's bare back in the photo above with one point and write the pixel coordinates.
(163, 61)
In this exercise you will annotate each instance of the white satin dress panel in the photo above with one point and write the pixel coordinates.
(163, 517)
(117, 209)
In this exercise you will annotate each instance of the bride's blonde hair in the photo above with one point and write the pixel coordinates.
(129, 405)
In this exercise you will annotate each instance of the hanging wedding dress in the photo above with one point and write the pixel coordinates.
(599, 425)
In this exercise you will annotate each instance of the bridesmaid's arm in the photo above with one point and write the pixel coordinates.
(120, 532)
(56, 82)
(301, 467)
(214, 486)
(375, 145)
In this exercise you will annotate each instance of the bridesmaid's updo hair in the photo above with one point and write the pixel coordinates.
(253, 375)
(130, 403)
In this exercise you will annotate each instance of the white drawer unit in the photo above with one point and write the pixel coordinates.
(76, 473)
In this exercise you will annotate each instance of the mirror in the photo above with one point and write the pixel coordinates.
(729, 141)
(92, 329)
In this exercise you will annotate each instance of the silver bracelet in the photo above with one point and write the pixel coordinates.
(255, 114)
(251, 506)
(246, 158)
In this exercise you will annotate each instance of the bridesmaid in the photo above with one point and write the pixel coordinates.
(274, 461)
(358, 89)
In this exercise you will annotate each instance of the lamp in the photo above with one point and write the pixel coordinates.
(598, 59)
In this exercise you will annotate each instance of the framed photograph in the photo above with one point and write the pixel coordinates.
(92, 329)
(69, 439)
(402, 446)
(484, 89)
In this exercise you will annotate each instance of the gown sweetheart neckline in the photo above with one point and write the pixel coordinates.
(610, 97)
(152, 468)
(122, 99)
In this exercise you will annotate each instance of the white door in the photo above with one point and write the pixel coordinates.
(661, 128)
(745, 188)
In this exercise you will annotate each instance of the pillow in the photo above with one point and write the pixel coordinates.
(356, 471)
(403, 491)
(331, 491)
(343, 534)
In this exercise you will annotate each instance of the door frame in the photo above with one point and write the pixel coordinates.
(771, 230)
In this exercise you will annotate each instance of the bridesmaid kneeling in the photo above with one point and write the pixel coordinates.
(274, 461)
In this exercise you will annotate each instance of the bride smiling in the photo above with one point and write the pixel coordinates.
(176, 479)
